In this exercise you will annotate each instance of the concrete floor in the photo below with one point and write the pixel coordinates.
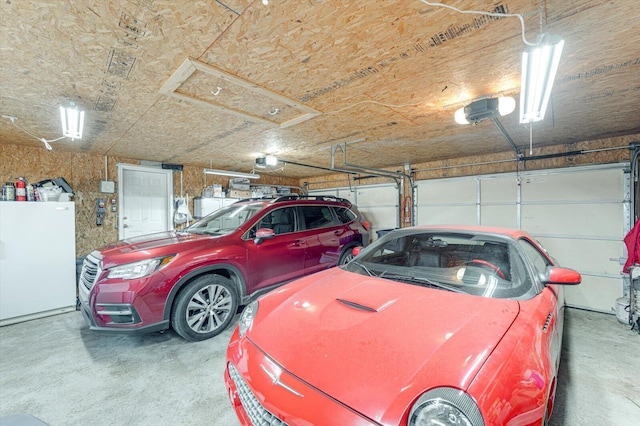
(63, 374)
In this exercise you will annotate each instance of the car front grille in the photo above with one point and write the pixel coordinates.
(257, 413)
(90, 272)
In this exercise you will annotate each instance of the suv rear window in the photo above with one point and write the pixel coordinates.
(317, 216)
(344, 214)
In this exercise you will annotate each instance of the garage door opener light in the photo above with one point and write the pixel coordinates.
(482, 109)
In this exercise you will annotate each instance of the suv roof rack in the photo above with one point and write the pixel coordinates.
(292, 197)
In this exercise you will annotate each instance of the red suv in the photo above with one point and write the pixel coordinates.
(195, 280)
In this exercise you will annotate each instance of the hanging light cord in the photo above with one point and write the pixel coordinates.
(479, 12)
(43, 140)
(475, 12)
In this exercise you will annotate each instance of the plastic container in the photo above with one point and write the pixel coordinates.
(622, 310)
(51, 193)
(10, 191)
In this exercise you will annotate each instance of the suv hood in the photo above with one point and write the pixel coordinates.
(348, 334)
(151, 245)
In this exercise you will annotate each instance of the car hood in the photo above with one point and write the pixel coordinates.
(151, 245)
(371, 342)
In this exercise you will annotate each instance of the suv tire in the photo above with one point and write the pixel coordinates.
(346, 256)
(204, 308)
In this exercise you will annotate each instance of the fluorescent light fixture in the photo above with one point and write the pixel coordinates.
(231, 174)
(482, 109)
(539, 66)
(72, 121)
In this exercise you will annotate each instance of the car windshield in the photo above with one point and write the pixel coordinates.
(225, 220)
(482, 265)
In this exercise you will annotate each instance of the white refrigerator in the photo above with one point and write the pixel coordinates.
(204, 206)
(37, 259)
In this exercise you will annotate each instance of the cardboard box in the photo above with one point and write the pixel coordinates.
(236, 193)
(241, 184)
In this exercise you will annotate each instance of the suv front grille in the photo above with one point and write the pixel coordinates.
(90, 272)
(257, 413)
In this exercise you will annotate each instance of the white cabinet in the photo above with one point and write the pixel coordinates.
(204, 206)
(37, 259)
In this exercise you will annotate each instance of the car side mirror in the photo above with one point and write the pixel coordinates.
(564, 276)
(264, 234)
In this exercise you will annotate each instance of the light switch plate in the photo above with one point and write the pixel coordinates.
(107, 186)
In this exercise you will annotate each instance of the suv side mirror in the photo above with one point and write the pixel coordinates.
(264, 234)
(557, 275)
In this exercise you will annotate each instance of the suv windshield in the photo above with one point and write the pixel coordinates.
(474, 264)
(225, 220)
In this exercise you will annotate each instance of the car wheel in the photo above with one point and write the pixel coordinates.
(346, 256)
(204, 308)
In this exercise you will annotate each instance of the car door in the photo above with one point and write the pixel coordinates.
(274, 260)
(551, 308)
(321, 237)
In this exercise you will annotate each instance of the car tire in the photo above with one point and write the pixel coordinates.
(346, 256)
(204, 308)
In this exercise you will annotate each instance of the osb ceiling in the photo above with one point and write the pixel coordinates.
(218, 83)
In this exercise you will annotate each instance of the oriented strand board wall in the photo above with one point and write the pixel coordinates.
(84, 173)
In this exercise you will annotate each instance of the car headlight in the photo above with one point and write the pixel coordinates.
(445, 406)
(246, 319)
(140, 269)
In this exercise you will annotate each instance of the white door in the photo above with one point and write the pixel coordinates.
(146, 196)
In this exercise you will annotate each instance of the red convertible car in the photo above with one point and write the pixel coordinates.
(426, 326)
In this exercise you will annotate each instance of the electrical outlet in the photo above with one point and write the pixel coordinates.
(107, 186)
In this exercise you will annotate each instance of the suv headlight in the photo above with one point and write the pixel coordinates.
(445, 406)
(246, 319)
(131, 271)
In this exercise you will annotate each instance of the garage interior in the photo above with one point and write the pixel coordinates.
(353, 99)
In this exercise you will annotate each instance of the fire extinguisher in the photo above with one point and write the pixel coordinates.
(407, 209)
(21, 189)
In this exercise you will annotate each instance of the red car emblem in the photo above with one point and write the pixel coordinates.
(275, 379)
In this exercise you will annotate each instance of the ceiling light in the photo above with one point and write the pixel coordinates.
(271, 160)
(482, 109)
(231, 174)
(72, 121)
(539, 66)
(266, 161)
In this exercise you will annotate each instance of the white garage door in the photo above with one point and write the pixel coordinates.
(377, 203)
(580, 215)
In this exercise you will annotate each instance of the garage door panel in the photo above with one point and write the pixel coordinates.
(594, 293)
(599, 220)
(499, 190)
(504, 216)
(377, 195)
(588, 256)
(585, 185)
(347, 194)
(377, 203)
(448, 191)
(447, 215)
